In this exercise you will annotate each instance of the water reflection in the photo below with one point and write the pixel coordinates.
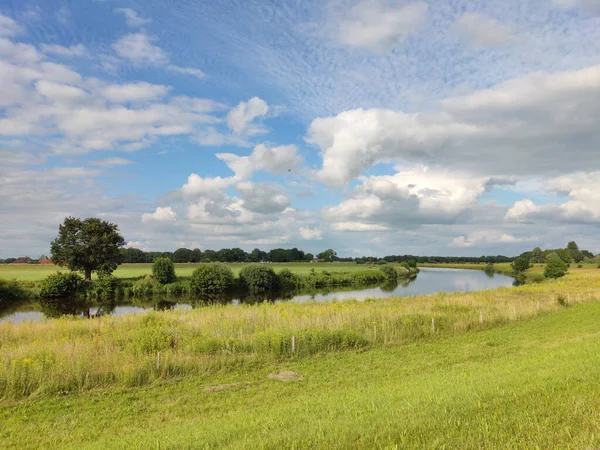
(430, 280)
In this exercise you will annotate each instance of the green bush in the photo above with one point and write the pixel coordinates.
(405, 265)
(412, 263)
(521, 264)
(211, 278)
(390, 273)
(163, 270)
(61, 284)
(144, 287)
(536, 278)
(288, 280)
(104, 288)
(555, 268)
(11, 290)
(258, 278)
(489, 268)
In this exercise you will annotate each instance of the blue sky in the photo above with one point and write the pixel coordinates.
(372, 126)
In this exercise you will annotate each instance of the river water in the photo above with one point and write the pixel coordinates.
(429, 281)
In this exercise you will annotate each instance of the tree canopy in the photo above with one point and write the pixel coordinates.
(90, 245)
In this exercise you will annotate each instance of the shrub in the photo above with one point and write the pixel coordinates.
(579, 266)
(163, 270)
(258, 278)
(211, 278)
(536, 278)
(143, 288)
(521, 264)
(287, 279)
(412, 263)
(489, 268)
(11, 290)
(405, 265)
(562, 301)
(390, 273)
(104, 288)
(61, 284)
(555, 268)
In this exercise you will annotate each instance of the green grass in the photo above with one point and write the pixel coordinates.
(34, 272)
(532, 384)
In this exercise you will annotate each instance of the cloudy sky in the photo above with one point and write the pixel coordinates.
(372, 127)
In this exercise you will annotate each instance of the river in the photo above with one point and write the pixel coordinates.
(429, 281)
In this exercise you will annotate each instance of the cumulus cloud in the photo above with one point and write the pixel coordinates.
(67, 52)
(134, 92)
(161, 214)
(139, 48)
(8, 27)
(484, 237)
(262, 198)
(380, 26)
(523, 126)
(593, 5)
(483, 30)
(311, 234)
(240, 118)
(583, 206)
(132, 18)
(275, 160)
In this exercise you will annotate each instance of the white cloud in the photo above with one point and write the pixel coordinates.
(67, 52)
(593, 5)
(583, 206)
(138, 48)
(111, 162)
(484, 237)
(240, 118)
(132, 17)
(379, 26)
(134, 92)
(311, 234)
(521, 127)
(483, 30)
(187, 71)
(262, 198)
(160, 215)
(8, 27)
(276, 160)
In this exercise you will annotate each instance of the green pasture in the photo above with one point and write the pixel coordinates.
(531, 384)
(34, 272)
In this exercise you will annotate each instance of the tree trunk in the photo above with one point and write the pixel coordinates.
(88, 274)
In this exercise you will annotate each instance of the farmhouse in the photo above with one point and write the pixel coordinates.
(22, 260)
(44, 260)
(317, 260)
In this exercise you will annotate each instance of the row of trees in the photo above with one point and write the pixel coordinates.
(570, 254)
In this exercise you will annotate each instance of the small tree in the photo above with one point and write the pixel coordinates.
(163, 270)
(211, 278)
(555, 267)
(521, 264)
(258, 278)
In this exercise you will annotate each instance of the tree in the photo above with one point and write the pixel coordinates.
(576, 254)
(163, 270)
(90, 245)
(182, 255)
(555, 267)
(328, 255)
(537, 255)
(521, 264)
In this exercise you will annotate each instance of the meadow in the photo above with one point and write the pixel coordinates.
(35, 272)
(510, 367)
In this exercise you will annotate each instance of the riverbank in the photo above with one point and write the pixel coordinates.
(531, 384)
(70, 355)
(535, 273)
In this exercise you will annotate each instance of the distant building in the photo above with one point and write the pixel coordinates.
(44, 260)
(22, 260)
(317, 260)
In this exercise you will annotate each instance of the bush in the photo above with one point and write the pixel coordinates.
(405, 265)
(61, 284)
(11, 290)
(489, 268)
(104, 288)
(288, 280)
(412, 263)
(211, 278)
(163, 270)
(521, 264)
(144, 287)
(536, 278)
(258, 278)
(579, 266)
(555, 268)
(390, 273)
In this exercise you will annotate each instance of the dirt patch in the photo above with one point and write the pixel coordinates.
(222, 387)
(285, 376)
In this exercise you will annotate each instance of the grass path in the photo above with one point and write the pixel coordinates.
(532, 384)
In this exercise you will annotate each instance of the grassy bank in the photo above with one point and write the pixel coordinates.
(532, 384)
(72, 355)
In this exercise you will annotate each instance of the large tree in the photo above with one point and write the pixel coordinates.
(90, 245)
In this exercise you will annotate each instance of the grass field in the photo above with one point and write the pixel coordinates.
(531, 384)
(34, 272)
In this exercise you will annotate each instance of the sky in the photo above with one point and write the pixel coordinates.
(372, 127)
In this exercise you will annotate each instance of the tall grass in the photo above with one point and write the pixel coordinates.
(78, 354)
